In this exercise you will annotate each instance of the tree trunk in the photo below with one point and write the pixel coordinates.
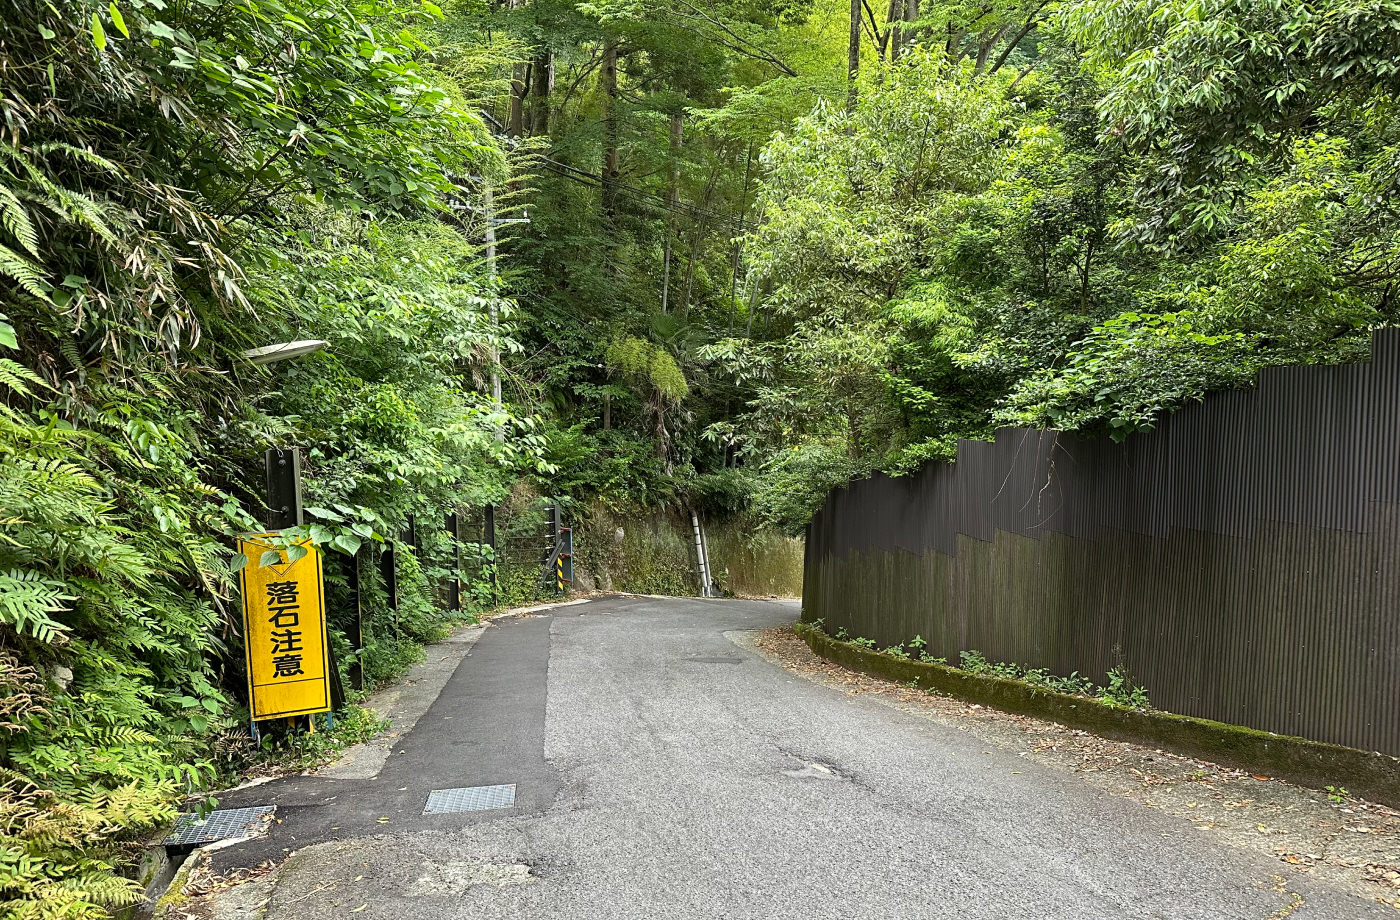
(753, 307)
(911, 15)
(853, 56)
(515, 115)
(1084, 275)
(953, 47)
(661, 438)
(519, 77)
(889, 41)
(1031, 22)
(541, 86)
(985, 41)
(673, 178)
(610, 160)
(743, 215)
(700, 230)
(699, 234)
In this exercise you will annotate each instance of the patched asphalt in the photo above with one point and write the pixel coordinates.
(664, 772)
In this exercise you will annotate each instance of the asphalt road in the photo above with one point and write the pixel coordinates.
(663, 771)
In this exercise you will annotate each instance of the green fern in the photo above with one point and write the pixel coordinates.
(27, 599)
(14, 217)
(24, 272)
(57, 858)
(18, 378)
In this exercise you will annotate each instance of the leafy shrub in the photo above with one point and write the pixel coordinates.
(650, 366)
(794, 483)
(614, 466)
(1075, 684)
(975, 663)
(1129, 371)
(1121, 690)
(728, 491)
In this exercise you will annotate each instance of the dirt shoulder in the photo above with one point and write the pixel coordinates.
(1352, 843)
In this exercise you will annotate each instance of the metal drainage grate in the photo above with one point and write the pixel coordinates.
(221, 824)
(469, 798)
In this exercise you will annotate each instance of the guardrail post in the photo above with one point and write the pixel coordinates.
(350, 566)
(283, 487)
(454, 586)
(489, 526)
(389, 571)
(564, 567)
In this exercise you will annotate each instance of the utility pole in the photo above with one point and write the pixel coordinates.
(488, 198)
(490, 203)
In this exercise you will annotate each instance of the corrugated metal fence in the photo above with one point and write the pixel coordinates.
(1241, 561)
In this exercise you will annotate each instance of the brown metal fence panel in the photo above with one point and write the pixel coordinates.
(1240, 560)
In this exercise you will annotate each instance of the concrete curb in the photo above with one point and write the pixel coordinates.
(517, 611)
(1316, 764)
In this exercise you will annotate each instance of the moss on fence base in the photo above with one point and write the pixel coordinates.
(1310, 763)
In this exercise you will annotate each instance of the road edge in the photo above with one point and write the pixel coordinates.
(1372, 775)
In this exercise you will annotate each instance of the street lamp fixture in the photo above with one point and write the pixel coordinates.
(267, 354)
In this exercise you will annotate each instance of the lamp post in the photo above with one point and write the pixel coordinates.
(284, 504)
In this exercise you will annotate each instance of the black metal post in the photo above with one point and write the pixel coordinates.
(350, 565)
(489, 525)
(454, 586)
(283, 488)
(389, 571)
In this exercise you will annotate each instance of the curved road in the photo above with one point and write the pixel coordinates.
(663, 771)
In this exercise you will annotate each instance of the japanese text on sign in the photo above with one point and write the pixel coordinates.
(284, 625)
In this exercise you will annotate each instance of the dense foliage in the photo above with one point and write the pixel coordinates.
(179, 183)
(858, 250)
(728, 254)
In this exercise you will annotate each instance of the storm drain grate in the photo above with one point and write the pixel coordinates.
(221, 824)
(469, 798)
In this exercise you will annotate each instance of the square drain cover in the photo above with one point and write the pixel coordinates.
(469, 798)
(220, 824)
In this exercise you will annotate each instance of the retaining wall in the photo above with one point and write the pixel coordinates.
(1241, 561)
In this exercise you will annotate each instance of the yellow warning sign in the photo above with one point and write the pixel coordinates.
(284, 630)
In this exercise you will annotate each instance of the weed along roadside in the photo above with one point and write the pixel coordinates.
(1309, 763)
